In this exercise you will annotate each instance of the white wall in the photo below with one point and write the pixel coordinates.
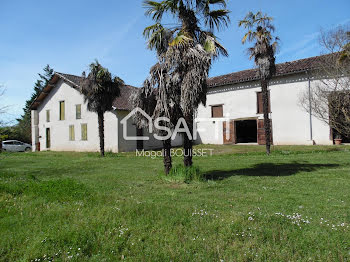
(114, 140)
(240, 104)
(290, 122)
(35, 129)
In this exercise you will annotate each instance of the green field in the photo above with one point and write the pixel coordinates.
(291, 206)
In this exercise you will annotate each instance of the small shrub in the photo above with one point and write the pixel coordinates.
(186, 174)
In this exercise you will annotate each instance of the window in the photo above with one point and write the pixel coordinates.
(71, 133)
(62, 110)
(47, 115)
(78, 111)
(84, 132)
(217, 111)
(260, 103)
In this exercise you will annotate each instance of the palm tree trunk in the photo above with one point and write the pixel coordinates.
(267, 122)
(187, 144)
(167, 156)
(101, 132)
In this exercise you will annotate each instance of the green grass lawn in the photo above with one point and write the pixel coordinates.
(290, 206)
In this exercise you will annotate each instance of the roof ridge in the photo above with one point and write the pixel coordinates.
(63, 75)
(287, 62)
(289, 67)
(65, 78)
(60, 73)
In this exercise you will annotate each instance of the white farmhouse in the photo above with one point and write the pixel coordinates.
(237, 98)
(233, 115)
(61, 121)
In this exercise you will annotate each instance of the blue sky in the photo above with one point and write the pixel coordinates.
(69, 35)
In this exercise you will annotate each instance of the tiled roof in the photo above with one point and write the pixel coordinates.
(75, 80)
(123, 102)
(282, 69)
(120, 103)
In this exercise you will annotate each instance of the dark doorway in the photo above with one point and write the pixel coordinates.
(139, 143)
(246, 131)
(48, 138)
(345, 138)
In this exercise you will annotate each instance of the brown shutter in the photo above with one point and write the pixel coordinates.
(261, 132)
(217, 111)
(260, 103)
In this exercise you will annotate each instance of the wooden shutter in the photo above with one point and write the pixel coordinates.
(71, 133)
(217, 111)
(47, 115)
(84, 132)
(260, 103)
(261, 132)
(78, 111)
(62, 110)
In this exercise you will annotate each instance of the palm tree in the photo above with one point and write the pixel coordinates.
(185, 53)
(260, 30)
(100, 90)
(156, 101)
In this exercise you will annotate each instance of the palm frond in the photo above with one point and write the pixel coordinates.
(203, 6)
(181, 39)
(212, 45)
(155, 10)
(217, 19)
(158, 37)
(100, 89)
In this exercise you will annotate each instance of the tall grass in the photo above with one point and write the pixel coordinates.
(186, 174)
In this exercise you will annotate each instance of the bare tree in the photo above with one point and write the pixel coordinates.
(3, 110)
(3, 107)
(329, 99)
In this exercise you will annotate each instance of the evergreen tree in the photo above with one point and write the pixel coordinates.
(24, 122)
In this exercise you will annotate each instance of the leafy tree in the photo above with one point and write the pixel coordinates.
(260, 30)
(329, 98)
(185, 52)
(100, 90)
(24, 122)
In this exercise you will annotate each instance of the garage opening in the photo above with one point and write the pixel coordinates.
(246, 131)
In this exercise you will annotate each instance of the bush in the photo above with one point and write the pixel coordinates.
(186, 174)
